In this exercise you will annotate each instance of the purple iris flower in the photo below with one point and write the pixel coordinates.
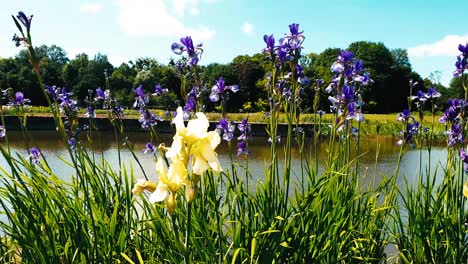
(148, 119)
(26, 21)
(295, 38)
(404, 116)
(432, 93)
(270, 42)
(20, 100)
(363, 79)
(2, 131)
(190, 105)
(245, 129)
(102, 95)
(242, 148)
(463, 49)
(358, 66)
(283, 51)
(186, 45)
(90, 112)
(319, 83)
(302, 79)
(220, 88)
(149, 148)
(72, 143)
(139, 91)
(354, 113)
(321, 113)
(453, 111)
(66, 102)
(345, 56)
(118, 111)
(54, 91)
(159, 90)
(408, 135)
(337, 67)
(34, 155)
(455, 134)
(420, 95)
(347, 93)
(226, 129)
(18, 40)
(142, 99)
(460, 66)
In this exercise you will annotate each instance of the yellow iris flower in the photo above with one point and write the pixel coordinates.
(195, 140)
(170, 180)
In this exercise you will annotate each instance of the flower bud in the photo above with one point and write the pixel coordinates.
(190, 193)
(171, 203)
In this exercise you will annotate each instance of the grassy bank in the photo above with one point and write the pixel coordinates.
(374, 124)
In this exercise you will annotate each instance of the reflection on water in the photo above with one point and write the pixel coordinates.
(105, 146)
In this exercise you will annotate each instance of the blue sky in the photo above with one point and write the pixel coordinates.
(127, 29)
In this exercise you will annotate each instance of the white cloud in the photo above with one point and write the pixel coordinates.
(247, 28)
(194, 11)
(91, 8)
(116, 60)
(181, 5)
(447, 46)
(155, 17)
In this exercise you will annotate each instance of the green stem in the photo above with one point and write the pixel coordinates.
(187, 233)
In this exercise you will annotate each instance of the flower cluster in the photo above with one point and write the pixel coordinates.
(192, 149)
(148, 119)
(461, 63)
(345, 86)
(287, 46)
(149, 148)
(159, 90)
(15, 100)
(186, 45)
(245, 136)
(142, 99)
(421, 97)
(34, 155)
(26, 21)
(345, 89)
(452, 116)
(220, 90)
(109, 103)
(226, 129)
(191, 103)
(411, 128)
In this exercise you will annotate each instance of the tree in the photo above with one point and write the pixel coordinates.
(378, 61)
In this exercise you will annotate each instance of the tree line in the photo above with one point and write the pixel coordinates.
(390, 70)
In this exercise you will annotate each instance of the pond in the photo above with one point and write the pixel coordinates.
(106, 146)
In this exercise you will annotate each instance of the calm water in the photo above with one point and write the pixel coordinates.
(106, 146)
